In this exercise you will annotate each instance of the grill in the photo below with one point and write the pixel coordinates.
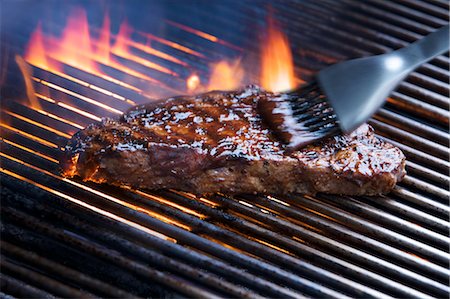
(64, 237)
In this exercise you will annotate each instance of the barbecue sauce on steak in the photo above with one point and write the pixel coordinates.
(218, 142)
(278, 114)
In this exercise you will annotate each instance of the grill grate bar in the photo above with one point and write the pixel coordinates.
(33, 277)
(331, 262)
(412, 126)
(17, 288)
(424, 172)
(170, 265)
(330, 228)
(397, 207)
(61, 271)
(77, 221)
(108, 254)
(190, 238)
(417, 107)
(411, 13)
(420, 143)
(439, 193)
(422, 201)
(117, 233)
(344, 252)
(187, 238)
(441, 3)
(387, 220)
(396, 29)
(323, 9)
(426, 8)
(366, 228)
(420, 157)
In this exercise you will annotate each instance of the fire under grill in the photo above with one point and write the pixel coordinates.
(67, 238)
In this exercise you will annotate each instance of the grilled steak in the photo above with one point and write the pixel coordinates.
(217, 142)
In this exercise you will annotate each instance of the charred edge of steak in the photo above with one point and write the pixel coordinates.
(217, 142)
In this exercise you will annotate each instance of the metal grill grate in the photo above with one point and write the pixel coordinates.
(64, 237)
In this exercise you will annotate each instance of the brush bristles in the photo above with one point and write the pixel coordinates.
(313, 112)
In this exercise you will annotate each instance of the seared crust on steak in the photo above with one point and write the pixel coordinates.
(217, 142)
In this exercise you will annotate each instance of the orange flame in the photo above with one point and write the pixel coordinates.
(27, 74)
(103, 46)
(35, 51)
(121, 46)
(75, 47)
(277, 66)
(78, 49)
(226, 75)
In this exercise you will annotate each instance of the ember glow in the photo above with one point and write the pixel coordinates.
(193, 83)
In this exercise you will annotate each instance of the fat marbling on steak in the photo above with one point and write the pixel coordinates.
(218, 142)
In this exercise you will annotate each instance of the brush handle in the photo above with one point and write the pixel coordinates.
(425, 49)
(357, 88)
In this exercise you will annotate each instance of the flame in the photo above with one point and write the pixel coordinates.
(277, 65)
(103, 45)
(121, 46)
(78, 49)
(35, 52)
(27, 74)
(193, 83)
(75, 47)
(226, 75)
(106, 51)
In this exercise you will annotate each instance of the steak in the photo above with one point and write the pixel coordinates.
(218, 142)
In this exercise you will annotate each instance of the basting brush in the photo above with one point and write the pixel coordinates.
(345, 95)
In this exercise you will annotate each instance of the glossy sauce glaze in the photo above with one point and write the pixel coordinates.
(294, 128)
(216, 124)
(224, 142)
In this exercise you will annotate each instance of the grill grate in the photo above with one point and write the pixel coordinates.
(64, 237)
